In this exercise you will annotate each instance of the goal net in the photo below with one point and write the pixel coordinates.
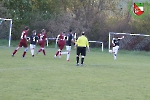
(131, 41)
(5, 31)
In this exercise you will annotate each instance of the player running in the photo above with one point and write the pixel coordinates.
(42, 38)
(61, 43)
(23, 42)
(33, 42)
(69, 40)
(115, 42)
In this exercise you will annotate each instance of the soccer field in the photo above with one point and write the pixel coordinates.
(48, 78)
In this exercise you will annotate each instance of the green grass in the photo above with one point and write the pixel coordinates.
(5, 42)
(101, 78)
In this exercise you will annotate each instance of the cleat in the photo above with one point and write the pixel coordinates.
(12, 55)
(77, 64)
(55, 56)
(81, 64)
(32, 55)
(68, 60)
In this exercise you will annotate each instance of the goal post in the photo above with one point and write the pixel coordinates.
(131, 41)
(10, 28)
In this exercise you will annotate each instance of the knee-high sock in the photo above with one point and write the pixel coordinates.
(57, 53)
(14, 52)
(24, 53)
(44, 52)
(32, 51)
(77, 59)
(115, 56)
(82, 60)
(39, 50)
(68, 56)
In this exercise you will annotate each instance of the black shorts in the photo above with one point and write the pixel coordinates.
(81, 50)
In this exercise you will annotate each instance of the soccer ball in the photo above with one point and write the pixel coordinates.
(110, 51)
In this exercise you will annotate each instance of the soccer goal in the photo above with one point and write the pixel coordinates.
(98, 42)
(131, 41)
(5, 30)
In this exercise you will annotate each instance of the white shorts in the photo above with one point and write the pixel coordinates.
(115, 49)
(68, 48)
(32, 46)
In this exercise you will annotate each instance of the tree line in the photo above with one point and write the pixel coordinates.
(96, 17)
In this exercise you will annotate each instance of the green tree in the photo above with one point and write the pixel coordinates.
(26, 12)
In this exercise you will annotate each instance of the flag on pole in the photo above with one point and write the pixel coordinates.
(138, 8)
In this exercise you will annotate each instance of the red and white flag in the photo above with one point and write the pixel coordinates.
(138, 8)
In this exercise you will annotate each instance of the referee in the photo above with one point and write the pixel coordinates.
(82, 43)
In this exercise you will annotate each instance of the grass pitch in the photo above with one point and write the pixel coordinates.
(101, 78)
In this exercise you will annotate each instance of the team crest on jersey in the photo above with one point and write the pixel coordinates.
(138, 8)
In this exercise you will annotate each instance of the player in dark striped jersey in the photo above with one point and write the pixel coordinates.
(115, 43)
(69, 41)
(33, 42)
